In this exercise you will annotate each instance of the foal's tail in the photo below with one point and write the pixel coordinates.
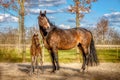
(92, 58)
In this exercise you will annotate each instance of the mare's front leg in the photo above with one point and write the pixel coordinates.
(56, 59)
(53, 60)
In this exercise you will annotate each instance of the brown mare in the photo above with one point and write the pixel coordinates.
(63, 39)
(35, 52)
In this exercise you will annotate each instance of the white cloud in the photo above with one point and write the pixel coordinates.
(51, 17)
(113, 18)
(44, 3)
(8, 18)
(112, 14)
(64, 26)
(71, 20)
(51, 2)
(34, 6)
(37, 11)
(1, 18)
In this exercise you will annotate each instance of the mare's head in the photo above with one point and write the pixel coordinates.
(35, 40)
(43, 21)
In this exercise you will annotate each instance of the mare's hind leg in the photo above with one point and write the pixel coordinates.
(83, 55)
(86, 54)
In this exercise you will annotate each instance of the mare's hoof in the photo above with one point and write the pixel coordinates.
(53, 71)
(83, 70)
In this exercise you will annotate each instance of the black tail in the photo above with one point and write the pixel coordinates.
(92, 58)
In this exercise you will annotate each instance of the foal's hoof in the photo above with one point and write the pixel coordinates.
(42, 72)
(57, 71)
(30, 73)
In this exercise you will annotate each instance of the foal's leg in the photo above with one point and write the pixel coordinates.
(32, 65)
(41, 63)
(37, 64)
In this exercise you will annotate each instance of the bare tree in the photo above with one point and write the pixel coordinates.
(102, 28)
(21, 13)
(114, 36)
(81, 7)
(8, 36)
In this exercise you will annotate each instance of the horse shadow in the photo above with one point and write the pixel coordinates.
(26, 68)
(92, 75)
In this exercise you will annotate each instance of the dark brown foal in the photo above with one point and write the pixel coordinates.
(35, 52)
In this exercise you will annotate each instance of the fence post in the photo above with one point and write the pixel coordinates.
(117, 52)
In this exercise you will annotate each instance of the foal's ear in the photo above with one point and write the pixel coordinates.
(40, 12)
(45, 12)
(37, 34)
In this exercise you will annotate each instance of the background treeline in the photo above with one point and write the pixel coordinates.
(102, 33)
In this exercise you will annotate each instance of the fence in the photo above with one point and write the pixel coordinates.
(106, 50)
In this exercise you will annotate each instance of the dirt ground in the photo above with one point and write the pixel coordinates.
(20, 71)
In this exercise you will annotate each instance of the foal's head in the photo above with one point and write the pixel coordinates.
(43, 21)
(35, 40)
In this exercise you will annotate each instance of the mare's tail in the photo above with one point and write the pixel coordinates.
(92, 58)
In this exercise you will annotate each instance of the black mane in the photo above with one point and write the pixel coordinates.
(51, 24)
(43, 31)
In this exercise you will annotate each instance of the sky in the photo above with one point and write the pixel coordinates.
(58, 14)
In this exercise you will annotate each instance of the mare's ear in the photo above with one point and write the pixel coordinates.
(45, 12)
(40, 12)
(33, 34)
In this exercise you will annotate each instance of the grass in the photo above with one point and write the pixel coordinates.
(109, 55)
(65, 56)
(9, 56)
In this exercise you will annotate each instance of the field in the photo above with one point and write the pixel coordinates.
(11, 67)
(65, 56)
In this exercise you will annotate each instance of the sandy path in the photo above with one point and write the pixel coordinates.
(20, 71)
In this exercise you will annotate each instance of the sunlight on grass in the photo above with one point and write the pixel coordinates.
(65, 56)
